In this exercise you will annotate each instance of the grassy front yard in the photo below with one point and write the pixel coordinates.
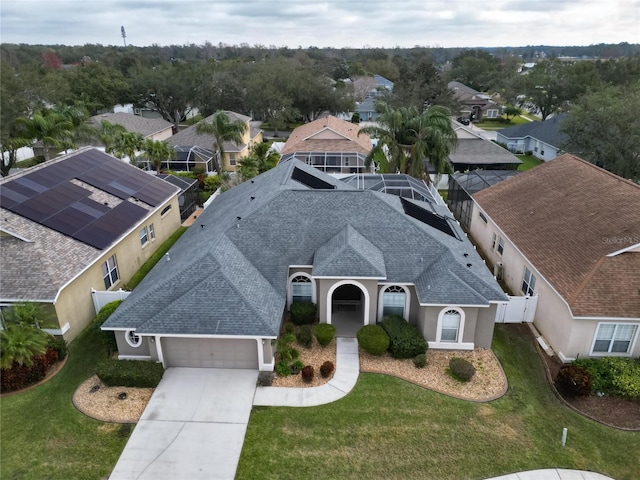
(388, 428)
(528, 162)
(44, 436)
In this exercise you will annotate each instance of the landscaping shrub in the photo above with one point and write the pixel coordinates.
(573, 381)
(107, 336)
(307, 374)
(21, 376)
(305, 338)
(283, 369)
(420, 360)
(405, 340)
(373, 339)
(59, 345)
(289, 328)
(130, 373)
(284, 352)
(265, 379)
(614, 376)
(303, 313)
(461, 369)
(326, 369)
(324, 332)
(295, 367)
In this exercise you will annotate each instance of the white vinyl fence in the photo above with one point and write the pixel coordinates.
(100, 299)
(517, 310)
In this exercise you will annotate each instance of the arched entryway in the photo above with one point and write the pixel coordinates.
(348, 305)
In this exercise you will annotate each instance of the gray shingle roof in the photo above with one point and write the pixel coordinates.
(190, 137)
(547, 131)
(349, 254)
(228, 272)
(133, 123)
(479, 151)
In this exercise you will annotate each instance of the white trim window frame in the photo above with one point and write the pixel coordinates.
(296, 288)
(133, 339)
(152, 232)
(614, 339)
(398, 297)
(110, 272)
(528, 282)
(500, 246)
(143, 234)
(451, 319)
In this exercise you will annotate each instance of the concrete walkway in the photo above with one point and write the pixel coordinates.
(193, 426)
(343, 381)
(553, 474)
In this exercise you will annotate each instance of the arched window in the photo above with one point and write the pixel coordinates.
(450, 329)
(132, 338)
(394, 299)
(301, 289)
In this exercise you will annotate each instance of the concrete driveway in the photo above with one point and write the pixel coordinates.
(193, 426)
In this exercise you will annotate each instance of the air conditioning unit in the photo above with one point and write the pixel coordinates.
(136, 111)
(498, 271)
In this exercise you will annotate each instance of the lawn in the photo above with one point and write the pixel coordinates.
(528, 162)
(44, 436)
(388, 428)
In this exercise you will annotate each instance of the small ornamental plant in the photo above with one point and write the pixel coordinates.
(307, 374)
(326, 369)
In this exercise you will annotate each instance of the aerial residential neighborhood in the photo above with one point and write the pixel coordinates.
(262, 260)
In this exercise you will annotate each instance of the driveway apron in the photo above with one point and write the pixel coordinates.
(192, 428)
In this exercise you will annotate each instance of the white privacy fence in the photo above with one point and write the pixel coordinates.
(517, 310)
(100, 299)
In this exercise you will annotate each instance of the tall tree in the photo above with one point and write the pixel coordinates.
(477, 69)
(261, 159)
(128, 144)
(156, 152)
(108, 134)
(13, 105)
(603, 127)
(223, 129)
(52, 128)
(98, 86)
(407, 139)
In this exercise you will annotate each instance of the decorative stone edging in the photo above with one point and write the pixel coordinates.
(50, 374)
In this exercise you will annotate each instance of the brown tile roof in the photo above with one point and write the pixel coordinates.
(299, 140)
(565, 216)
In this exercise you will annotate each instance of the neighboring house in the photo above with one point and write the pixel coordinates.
(149, 128)
(188, 197)
(542, 139)
(79, 222)
(569, 232)
(367, 108)
(476, 106)
(297, 234)
(197, 150)
(329, 144)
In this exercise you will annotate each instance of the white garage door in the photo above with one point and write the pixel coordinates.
(210, 352)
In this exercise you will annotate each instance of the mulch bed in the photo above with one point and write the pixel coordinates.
(612, 411)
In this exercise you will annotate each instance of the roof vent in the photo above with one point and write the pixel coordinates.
(167, 257)
(466, 255)
(202, 225)
(253, 197)
(238, 218)
(469, 265)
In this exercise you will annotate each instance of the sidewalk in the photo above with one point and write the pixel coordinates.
(343, 381)
(553, 474)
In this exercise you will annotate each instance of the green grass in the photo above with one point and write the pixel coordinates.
(388, 428)
(44, 436)
(444, 194)
(155, 258)
(496, 125)
(528, 162)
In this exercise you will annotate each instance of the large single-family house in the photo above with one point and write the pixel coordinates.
(366, 109)
(80, 222)
(198, 150)
(542, 139)
(569, 232)
(477, 106)
(149, 128)
(329, 144)
(297, 234)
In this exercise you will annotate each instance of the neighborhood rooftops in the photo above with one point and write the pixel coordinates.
(327, 134)
(228, 273)
(568, 218)
(133, 123)
(547, 131)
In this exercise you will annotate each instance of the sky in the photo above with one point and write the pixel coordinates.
(329, 23)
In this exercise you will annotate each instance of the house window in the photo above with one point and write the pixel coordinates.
(110, 272)
(500, 247)
(144, 236)
(492, 114)
(528, 282)
(301, 289)
(152, 232)
(394, 299)
(614, 338)
(494, 240)
(482, 217)
(133, 339)
(450, 329)
(165, 210)
(232, 159)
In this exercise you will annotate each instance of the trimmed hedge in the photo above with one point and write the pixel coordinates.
(615, 376)
(59, 345)
(405, 340)
(130, 373)
(107, 336)
(420, 361)
(573, 381)
(324, 332)
(303, 313)
(373, 339)
(461, 369)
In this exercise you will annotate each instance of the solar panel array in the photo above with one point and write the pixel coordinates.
(430, 218)
(48, 197)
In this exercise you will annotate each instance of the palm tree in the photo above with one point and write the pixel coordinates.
(407, 138)
(224, 130)
(52, 128)
(157, 151)
(107, 133)
(127, 144)
(261, 159)
(21, 338)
